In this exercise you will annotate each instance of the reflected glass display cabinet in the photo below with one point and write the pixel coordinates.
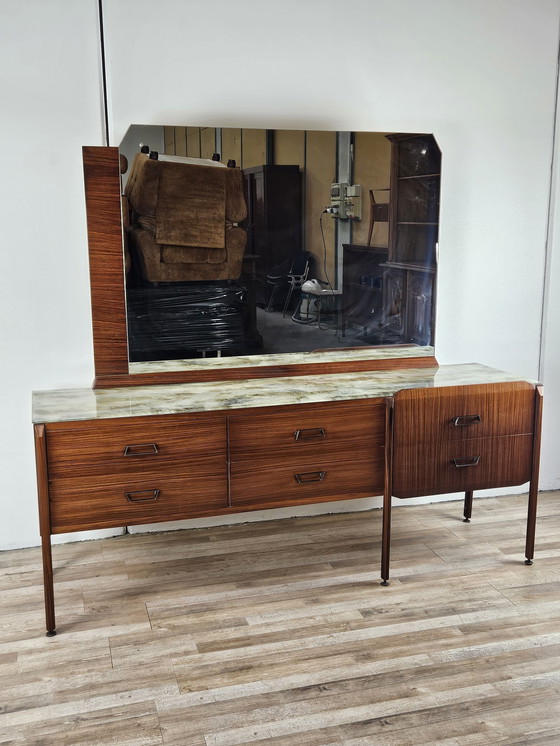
(409, 275)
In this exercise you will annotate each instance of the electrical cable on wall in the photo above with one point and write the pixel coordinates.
(317, 283)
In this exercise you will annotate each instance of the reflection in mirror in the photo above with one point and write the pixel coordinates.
(255, 242)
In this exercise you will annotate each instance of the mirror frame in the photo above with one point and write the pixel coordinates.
(108, 302)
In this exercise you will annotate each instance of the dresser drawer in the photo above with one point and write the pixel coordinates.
(458, 466)
(294, 482)
(316, 428)
(132, 445)
(463, 412)
(83, 504)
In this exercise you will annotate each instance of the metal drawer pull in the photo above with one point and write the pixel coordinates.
(310, 476)
(467, 419)
(131, 496)
(148, 449)
(313, 432)
(460, 463)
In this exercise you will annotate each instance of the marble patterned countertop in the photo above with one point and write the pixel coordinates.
(67, 405)
(292, 358)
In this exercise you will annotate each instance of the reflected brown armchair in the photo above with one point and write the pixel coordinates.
(184, 219)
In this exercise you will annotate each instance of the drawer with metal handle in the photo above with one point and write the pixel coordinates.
(138, 500)
(463, 413)
(456, 466)
(293, 482)
(133, 445)
(318, 428)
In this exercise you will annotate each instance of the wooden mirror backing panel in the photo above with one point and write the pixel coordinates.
(105, 239)
(108, 301)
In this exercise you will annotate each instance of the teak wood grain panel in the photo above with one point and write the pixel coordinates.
(298, 482)
(127, 446)
(325, 452)
(139, 499)
(309, 429)
(104, 223)
(459, 466)
(157, 470)
(463, 412)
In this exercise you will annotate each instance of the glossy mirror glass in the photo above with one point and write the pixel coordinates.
(252, 242)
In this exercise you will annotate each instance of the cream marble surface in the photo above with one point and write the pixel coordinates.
(66, 405)
(292, 358)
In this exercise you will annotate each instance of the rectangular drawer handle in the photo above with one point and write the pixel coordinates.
(310, 433)
(134, 497)
(310, 476)
(460, 463)
(142, 449)
(467, 419)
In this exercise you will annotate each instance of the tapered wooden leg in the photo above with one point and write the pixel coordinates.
(386, 539)
(534, 484)
(387, 494)
(48, 585)
(467, 511)
(45, 525)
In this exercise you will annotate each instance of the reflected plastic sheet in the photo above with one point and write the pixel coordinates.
(185, 321)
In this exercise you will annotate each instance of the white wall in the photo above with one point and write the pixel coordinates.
(51, 106)
(550, 359)
(480, 75)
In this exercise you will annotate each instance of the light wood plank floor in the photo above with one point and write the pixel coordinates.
(280, 633)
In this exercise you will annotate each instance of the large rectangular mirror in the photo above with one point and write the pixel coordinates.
(244, 248)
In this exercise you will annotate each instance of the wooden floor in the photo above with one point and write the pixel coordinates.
(280, 633)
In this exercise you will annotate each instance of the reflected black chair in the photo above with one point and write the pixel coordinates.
(290, 274)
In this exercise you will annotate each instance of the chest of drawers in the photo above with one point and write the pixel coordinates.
(311, 453)
(103, 461)
(133, 471)
(461, 439)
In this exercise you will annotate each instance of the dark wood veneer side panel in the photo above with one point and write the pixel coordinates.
(103, 208)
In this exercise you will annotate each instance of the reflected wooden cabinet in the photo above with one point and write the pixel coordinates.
(408, 304)
(362, 287)
(413, 236)
(274, 220)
